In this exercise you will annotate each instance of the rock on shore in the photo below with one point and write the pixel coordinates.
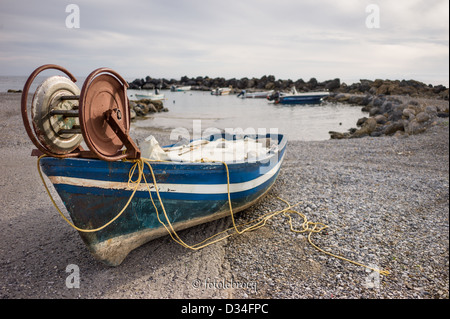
(405, 107)
(393, 115)
(146, 106)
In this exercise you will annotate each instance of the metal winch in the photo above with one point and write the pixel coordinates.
(63, 116)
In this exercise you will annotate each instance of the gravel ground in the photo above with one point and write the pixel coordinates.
(384, 199)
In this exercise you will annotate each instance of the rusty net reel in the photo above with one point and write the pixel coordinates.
(63, 116)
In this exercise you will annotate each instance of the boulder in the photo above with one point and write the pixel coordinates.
(383, 89)
(152, 108)
(431, 110)
(409, 114)
(394, 127)
(361, 121)
(367, 128)
(422, 117)
(142, 109)
(333, 84)
(378, 101)
(270, 86)
(338, 135)
(148, 86)
(312, 84)
(158, 105)
(356, 99)
(414, 127)
(380, 119)
(366, 108)
(374, 111)
(397, 113)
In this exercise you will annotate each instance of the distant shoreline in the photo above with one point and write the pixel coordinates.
(412, 88)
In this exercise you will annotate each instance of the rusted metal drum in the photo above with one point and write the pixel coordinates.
(102, 92)
(55, 115)
(63, 116)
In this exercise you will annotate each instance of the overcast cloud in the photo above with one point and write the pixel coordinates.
(289, 39)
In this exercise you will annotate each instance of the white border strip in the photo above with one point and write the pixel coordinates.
(172, 188)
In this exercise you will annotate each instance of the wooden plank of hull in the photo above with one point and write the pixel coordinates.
(95, 191)
(113, 251)
(139, 223)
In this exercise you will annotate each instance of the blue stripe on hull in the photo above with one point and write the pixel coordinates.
(313, 100)
(87, 208)
(176, 173)
(179, 173)
(91, 205)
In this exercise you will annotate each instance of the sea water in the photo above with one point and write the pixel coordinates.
(187, 109)
(297, 122)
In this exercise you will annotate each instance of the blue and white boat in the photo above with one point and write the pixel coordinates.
(149, 96)
(298, 98)
(179, 88)
(192, 193)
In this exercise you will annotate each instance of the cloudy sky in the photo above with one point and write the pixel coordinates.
(289, 39)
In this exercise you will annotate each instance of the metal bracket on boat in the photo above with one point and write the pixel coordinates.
(62, 116)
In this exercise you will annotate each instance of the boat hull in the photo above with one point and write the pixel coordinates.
(153, 97)
(313, 99)
(298, 98)
(180, 88)
(221, 91)
(94, 191)
(255, 95)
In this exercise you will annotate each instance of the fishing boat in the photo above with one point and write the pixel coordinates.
(178, 88)
(254, 95)
(221, 91)
(116, 199)
(298, 98)
(149, 96)
(93, 191)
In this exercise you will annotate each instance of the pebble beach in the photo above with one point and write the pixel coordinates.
(385, 201)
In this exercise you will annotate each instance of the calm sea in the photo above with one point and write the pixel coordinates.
(298, 122)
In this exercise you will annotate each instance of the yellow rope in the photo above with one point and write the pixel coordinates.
(130, 181)
(307, 226)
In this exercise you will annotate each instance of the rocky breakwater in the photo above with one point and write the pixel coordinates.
(394, 115)
(144, 107)
(266, 82)
(404, 107)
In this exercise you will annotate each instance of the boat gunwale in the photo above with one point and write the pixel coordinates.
(258, 161)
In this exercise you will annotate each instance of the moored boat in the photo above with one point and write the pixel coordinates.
(254, 95)
(150, 96)
(178, 88)
(221, 91)
(298, 98)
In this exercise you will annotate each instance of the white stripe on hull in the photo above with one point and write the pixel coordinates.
(172, 188)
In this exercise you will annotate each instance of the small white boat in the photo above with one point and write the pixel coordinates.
(175, 88)
(150, 96)
(221, 91)
(254, 95)
(154, 96)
